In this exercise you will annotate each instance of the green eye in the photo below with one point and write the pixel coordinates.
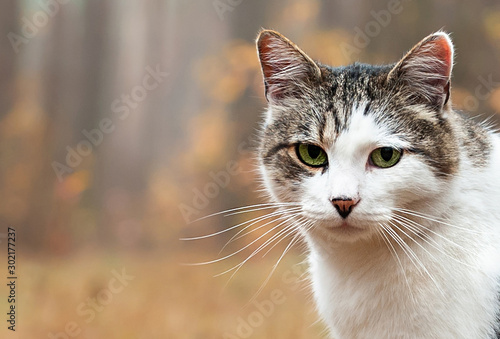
(385, 157)
(311, 155)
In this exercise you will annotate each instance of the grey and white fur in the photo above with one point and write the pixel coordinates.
(401, 247)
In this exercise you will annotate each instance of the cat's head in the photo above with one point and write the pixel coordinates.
(351, 145)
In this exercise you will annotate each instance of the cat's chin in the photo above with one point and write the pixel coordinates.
(348, 230)
(343, 231)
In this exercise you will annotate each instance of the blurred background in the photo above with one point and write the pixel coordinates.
(122, 122)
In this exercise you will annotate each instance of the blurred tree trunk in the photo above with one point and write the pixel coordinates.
(96, 44)
(9, 21)
(70, 87)
(37, 229)
(121, 164)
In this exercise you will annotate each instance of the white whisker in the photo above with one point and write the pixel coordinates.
(259, 248)
(285, 251)
(236, 252)
(251, 221)
(415, 256)
(293, 229)
(423, 216)
(433, 244)
(418, 226)
(250, 208)
(284, 215)
(395, 255)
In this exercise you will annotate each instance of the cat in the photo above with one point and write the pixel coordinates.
(398, 193)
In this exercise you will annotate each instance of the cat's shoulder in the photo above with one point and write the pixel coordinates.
(477, 139)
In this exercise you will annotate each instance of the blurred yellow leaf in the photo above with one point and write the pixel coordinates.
(492, 24)
(209, 133)
(495, 100)
(225, 76)
(242, 56)
(460, 98)
(325, 46)
(74, 184)
(300, 12)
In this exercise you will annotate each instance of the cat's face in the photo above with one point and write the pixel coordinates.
(351, 145)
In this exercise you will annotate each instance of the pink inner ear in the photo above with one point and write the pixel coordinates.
(444, 49)
(272, 61)
(441, 49)
(426, 69)
(444, 52)
(270, 67)
(284, 66)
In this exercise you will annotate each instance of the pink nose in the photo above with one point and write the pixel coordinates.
(344, 205)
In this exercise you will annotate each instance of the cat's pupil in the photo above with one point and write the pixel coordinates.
(313, 151)
(386, 153)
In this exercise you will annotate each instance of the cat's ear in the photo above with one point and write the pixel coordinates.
(426, 70)
(286, 69)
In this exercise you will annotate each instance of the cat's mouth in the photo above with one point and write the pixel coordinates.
(344, 228)
(334, 230)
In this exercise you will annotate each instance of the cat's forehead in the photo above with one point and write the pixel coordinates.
(357, 91)
(362, 130)
(345, 90)
(356, 82)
